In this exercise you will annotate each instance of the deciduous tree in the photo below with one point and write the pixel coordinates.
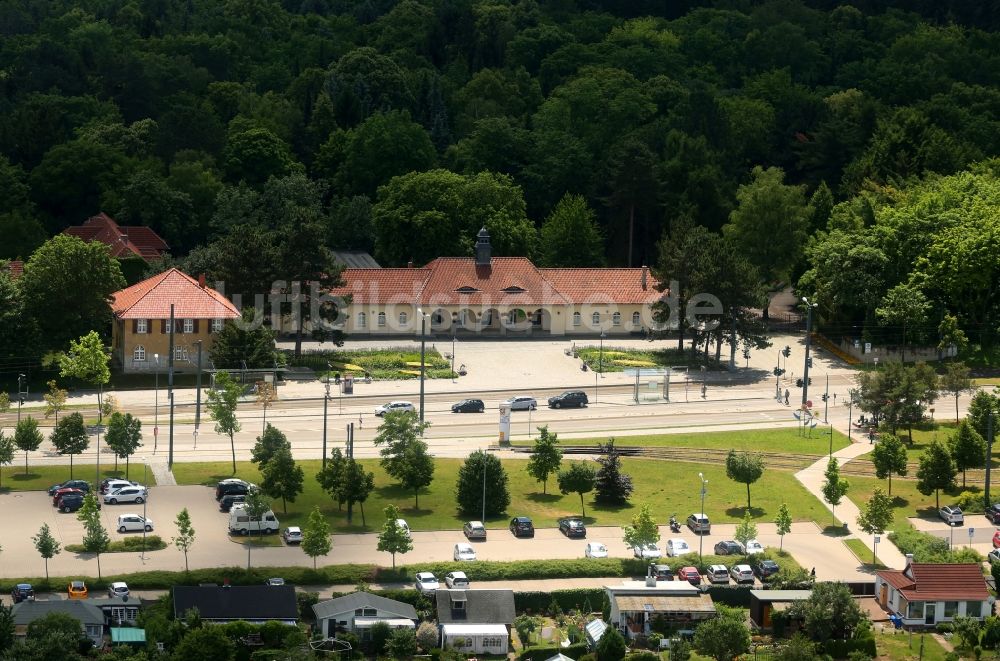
(830, 612)
(27, 438)
(967, 448)
(545, 457)
(394, 538)
(55, 399)
(877, 515)
(47, 546)
(744, 467)
(983, 405)
(889, 456)
(222, 402)
(470, 493)
(783, 522)
(268, 444)
(7, 449)
(937, 471)
(834, 486)
(316, 539)
(643, 529)
(611, 646)
(746, 530)
(570, 236)
(70, 437)
(243, 341)
(724, 637)
(956, 381)
(185, 535)
(282, 478)
(579, 478)
(95, 537)
(124, 437)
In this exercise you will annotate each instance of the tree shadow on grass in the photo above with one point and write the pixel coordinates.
(899, 501)
(415, 511)
(393, 492)
(544, 497)
(23, 477)
(740, 512)
(836, 531)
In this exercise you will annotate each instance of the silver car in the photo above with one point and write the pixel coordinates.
(521, 403)
(133, 494)
(394, 406)
(134, 523)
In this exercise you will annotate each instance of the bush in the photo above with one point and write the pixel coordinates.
(643, 656)
(945, 627)
(841, 649)
(971, 502)
(542, 653)
(127, 545)
(928, 548)
(567, 600)
(731, 595)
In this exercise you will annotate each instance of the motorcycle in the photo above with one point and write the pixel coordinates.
(675, 525)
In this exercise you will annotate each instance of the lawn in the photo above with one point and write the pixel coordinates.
(907, 501)
(679, 494)
(902, 645)
(391, 363)
(761, 440)
(922, 438)
(13, 478)
(619, 359)
(863, 553)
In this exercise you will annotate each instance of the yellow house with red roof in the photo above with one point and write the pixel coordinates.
(141, 328)
(499, 296)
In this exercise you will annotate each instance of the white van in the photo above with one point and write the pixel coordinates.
(401, 523)
(241, 523)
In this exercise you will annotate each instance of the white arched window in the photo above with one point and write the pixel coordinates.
(635, 318)
(576, 318)
(362, 320)
(381, 319)
(402, 318)
(616, 319)
(596, 318)
(139, 353)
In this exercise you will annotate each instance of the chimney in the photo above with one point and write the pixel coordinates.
(409, 264)
(225, 583)
(483, 248)
(909, 560)
(644, 270)
(201, 280)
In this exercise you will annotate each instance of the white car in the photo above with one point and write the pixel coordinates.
(118, 589)
(646, 551)
(133, 494)
(394, 406)
(521, 403)
(677, 546)
(292, 535)
(464, 552)
(742, 573)
(754, 547)
(595, 550)
(134, 523)
(426, 582)
(456, 579)
(402, 525)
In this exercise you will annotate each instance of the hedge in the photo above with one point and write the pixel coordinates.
(127, 545)
(542, 653)
(731, 595)
(568, 600)
(841, 649)
(929, 548)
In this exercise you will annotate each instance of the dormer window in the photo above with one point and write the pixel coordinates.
(514, 289)
(466, 289)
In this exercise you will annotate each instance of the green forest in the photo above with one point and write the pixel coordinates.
(845, 147)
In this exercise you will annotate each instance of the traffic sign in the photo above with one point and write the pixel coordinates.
(878, 539)
(809, 404)
(972, 531)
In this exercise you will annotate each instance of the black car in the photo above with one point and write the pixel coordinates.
(72, 502)
(228, 501)
(521, 526)
(570, 398)
(468, 406)
(572, 528)
(231, 487)
(993, 513)
(82, 485)
(765, 568)
(22, 592)
(728, 547)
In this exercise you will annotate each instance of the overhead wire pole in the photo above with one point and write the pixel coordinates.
(170, 390)
(805, 369)
(989, 458)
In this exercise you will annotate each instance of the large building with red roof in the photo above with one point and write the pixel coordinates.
(140, 335)
(923, 593)
(498, 295)
(123, 242)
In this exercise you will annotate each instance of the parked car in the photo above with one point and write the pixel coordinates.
(569, 399)
(58, 495)
(468, 406)
(993, 556)
(699, 523)
(22, 592)
(572, 527)
(82, 485)
(136, 494)
(134, 523)
(993, 513)
(427, 582)
(595, 550)
(952, 515)
(118, 589)
(292, 535)
(765, 569)
(474, 530)
(689, 574)
(232, 486)
(77, 590)
(521, 526)
(646, 551)
(663, 572)
(742, 573)
(227, 502)
(394, 406)
(728, 547)
(521, 403)
(72, 502)
(456, 579)
(275, 581)
(717, 574)
(753, 547)
(677, 546)
(464, 553)
(110, 484)
(404, 526)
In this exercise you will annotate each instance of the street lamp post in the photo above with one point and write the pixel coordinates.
(600, 361)
(484, 487)
(704, 488)
(805, 370)
(423, 338)
(453, 331)
(197, 398)
(22, 392)
(326, 398)
(156, 404)
(142, 555)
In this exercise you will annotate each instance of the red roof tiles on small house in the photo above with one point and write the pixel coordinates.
(151, 299)
(922, 581)
(122, 241)
(625, 286)
(506, 281)
(382, 286)
(15, 267)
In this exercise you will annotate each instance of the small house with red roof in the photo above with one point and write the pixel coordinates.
(499, 296)
(923, 593)
(141, 328)
(124, 242)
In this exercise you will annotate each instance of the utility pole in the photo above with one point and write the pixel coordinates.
(423, 337)
(805, 371)
(826, 399)
(989, 457)
(197, 398)
(170, 390)
(326, 398)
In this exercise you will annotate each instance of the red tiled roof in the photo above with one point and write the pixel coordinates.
(508, 281)
(123, 241)
(16, 268)
(151, 299)
(595, 285)
(923, 581)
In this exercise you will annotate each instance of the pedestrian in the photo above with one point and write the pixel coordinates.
(813, 572)
(786, 396)
(704, 392)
